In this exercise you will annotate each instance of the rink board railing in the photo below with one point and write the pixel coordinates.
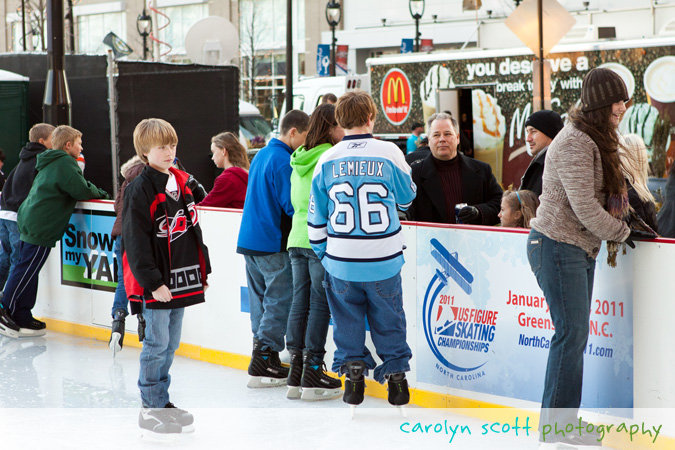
(477, 324)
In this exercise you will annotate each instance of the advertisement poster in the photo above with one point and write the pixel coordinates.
(87, 251)
(484, 326)
(501, 98)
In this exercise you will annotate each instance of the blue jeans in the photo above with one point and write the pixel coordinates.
(565, 274)
(22, 285)
(121, 301)
(162, 338)
(382, 303)
(9, 257)
(310, 316)
(270, 294)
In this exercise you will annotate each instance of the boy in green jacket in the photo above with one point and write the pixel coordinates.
(42, 219)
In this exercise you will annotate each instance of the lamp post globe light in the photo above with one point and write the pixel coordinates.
(333, 16)
(144, 26)
(417, 11)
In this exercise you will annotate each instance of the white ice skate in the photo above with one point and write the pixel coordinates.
(294, 392)
(27, 332)
(310, 394)
(114, 344)
(265, 382)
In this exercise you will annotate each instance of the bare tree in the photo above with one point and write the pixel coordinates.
(250, 35)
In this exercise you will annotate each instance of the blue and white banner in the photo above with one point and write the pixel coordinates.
(484, 325)
(407, 45)
(323, 60)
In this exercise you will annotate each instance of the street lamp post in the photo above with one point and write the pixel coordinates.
(417, 11)
(333, 16)
(144, 26)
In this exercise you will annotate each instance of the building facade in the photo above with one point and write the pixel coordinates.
(369, 29)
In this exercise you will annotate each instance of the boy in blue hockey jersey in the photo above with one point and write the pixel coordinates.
(354, 229)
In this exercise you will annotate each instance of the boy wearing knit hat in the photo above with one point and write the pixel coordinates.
(541, 128)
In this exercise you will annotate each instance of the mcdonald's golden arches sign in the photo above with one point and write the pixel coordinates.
(396, 96)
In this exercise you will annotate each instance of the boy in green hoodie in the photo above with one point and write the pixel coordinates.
(42, 219)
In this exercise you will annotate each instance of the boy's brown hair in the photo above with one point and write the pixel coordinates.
(354, 109)
(151, 133)
(40, 131)
(64, 134)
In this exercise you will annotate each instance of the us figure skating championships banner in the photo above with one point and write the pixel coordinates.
(484, 325)
(87, 251)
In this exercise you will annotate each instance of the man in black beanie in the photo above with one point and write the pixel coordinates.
(541, 128)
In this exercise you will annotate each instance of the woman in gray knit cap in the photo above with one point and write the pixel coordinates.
(583, 202)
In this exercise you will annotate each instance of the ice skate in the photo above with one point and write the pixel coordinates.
(265, 368)
(317, 385)
(294, 375)
(34, 328)
(158, 425)
(355, 384)
(184, 418)
(117, 333)
(8, 327)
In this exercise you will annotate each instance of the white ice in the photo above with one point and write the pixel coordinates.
(66, 392)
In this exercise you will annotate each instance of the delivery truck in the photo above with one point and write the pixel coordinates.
(490, 93)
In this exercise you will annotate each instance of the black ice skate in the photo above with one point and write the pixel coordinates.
(158, 424)
(317, 385)
(355, 384)
(184, 418)
(399, 394)
(8, 327)
(265, 368)
(117, 333)
(294, 375)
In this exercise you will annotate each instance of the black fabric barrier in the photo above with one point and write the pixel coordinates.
(199, 101)
(88, 86)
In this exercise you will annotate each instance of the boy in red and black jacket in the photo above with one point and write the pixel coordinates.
(165, 267)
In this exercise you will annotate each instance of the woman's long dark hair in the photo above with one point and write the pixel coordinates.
(598, 125)
(321, 123)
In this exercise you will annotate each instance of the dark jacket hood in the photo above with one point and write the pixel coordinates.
(31, 150)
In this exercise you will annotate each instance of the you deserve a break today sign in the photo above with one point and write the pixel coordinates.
(87, 251)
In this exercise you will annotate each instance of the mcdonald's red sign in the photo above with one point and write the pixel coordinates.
(396, 96)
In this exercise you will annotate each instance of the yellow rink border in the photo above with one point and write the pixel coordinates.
(427, 399)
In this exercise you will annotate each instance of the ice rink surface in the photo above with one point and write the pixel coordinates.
(66, 392)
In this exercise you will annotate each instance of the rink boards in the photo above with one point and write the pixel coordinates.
(478, 324)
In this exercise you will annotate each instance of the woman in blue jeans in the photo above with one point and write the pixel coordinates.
(310, 315)
(583, 202)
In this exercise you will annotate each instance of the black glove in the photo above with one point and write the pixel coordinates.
(639, 235)
(469, 214)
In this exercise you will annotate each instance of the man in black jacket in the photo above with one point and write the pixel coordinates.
(15, 191)
(446, 178)
(541, 128)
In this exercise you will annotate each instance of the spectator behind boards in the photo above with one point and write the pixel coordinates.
(414, 139)
(43, 218)
(229, 189)
(666, 216)
(541, 128)
(518, 208)
(635, 166)
(263, 238)
(446, 178)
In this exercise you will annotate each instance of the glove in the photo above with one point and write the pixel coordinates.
(639, 235)
(469, 214)
(402, 215)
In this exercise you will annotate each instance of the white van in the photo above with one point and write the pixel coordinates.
(252, 126)
(308, 93)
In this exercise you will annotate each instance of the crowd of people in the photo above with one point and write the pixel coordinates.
(321, 236)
